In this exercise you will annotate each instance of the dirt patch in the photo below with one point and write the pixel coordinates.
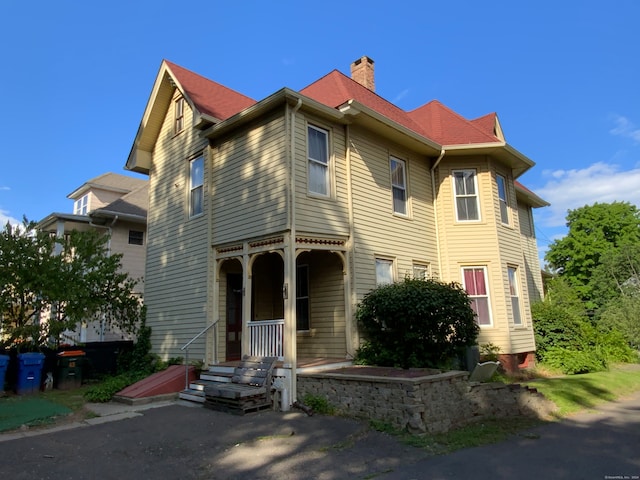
(385, 371)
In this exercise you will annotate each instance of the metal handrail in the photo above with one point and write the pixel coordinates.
(185, 347)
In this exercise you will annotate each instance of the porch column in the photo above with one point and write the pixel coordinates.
(215, 311)
(289, 293)
(246, 301)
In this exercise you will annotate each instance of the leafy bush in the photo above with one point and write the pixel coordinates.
(105, 390)
(415, 323)
(571, 361)
(318, 404)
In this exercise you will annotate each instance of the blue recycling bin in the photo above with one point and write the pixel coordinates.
(4, 362)
(29, 372)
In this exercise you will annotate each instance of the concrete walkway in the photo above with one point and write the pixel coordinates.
(174, 440)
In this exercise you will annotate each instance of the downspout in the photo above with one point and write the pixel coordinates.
(290, 292)
(435, 210)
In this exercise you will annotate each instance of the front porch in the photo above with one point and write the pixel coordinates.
(277, 298)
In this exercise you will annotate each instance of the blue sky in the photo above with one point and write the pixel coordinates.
(563, 77)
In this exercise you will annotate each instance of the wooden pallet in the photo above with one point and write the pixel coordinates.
(248, 391)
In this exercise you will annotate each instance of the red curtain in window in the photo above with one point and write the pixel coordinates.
(474, 281)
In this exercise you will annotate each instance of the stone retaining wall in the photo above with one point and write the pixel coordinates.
(431, 403)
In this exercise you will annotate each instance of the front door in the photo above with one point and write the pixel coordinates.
(234, 316)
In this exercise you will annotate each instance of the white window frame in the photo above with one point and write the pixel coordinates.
(178, 115)
(399, 185)
(501, 181)
(514, 295)
(478, 299)
(318, 165)
(465, 196)
(302, 276)
(420, 271)
(386, 276)
(196, 186)
(81, 206)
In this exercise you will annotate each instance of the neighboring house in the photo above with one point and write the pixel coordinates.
(116, 205)
(274, 218)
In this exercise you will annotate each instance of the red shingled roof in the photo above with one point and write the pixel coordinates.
(487, 123)
(335, 89)
(432, 120)
(209, 97)
(449, 128)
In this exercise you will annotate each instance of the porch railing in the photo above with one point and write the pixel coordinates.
(185, 347)
(266, 337)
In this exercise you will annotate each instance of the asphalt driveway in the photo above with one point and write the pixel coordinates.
(181, 442)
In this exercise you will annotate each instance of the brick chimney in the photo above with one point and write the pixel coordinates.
(362, 72)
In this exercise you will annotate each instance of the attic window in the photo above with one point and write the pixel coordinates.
(81, 206)
(136, 237)
(178, 124)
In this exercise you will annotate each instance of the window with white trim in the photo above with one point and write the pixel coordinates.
(502, 199)
(384, 271)
(465, 187)
(515, 295)
(318, 155)
(196, 186)
(475, 283)
(302, 298)
(81, 206)
(178, 115)
(420, 271)
(398, 185)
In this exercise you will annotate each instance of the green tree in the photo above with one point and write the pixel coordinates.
(50, 285)
(415, 323)
(593, 231)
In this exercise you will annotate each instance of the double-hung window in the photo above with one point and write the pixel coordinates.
(302, 298)
(136, 237)
(475, 283)
(466, 195)
(318, 155)
(196, 189)
(502, 198)
(178, 115)
(81, 206)
(420, 271)
(515, 296)
(384, 271)
(399, 186)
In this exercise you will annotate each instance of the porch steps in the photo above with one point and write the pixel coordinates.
(215, 374)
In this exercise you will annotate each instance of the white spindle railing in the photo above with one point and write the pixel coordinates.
(266, 338)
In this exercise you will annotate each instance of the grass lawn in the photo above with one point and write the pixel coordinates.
(573, 393)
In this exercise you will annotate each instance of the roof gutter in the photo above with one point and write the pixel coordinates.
(263, 106)
(354, 108)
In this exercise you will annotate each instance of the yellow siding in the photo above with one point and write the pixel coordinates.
(327, 312)
(378, 232)
(486, 243)
(249, 182)
(176, 270)
(314, 213)
(530, 250)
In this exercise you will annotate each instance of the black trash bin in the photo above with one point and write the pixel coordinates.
(69, 371)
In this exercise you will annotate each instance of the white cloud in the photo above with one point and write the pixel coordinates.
(570, 189)
(625, 128)
(5, 217)
(400, 96)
